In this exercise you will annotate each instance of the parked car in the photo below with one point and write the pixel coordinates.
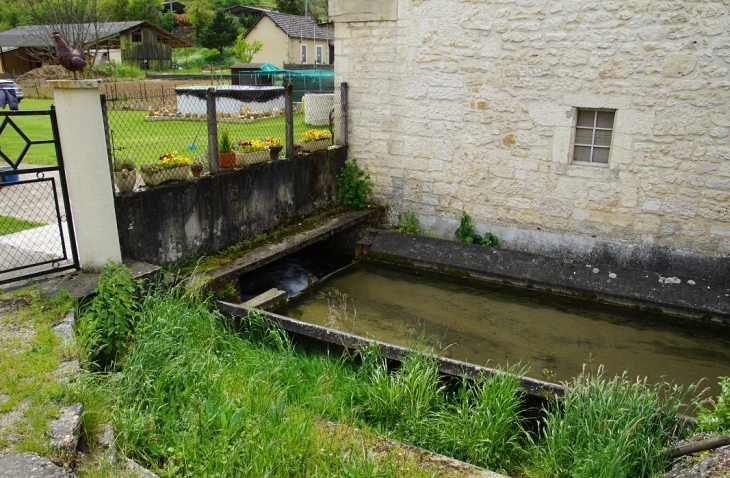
(7, 84)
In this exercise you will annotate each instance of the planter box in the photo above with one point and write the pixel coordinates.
(125, 183)
(316, 145)
(178, 173)
(247, 159)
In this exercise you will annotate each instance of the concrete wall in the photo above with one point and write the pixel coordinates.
(461, 105)
(180, 220)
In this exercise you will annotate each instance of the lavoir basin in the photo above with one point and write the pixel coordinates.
(493, 325)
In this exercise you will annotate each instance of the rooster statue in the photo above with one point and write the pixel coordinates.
(72, 60)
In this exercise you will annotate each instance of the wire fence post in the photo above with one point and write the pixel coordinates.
(289, 120)
(343, 112)
(212, 131)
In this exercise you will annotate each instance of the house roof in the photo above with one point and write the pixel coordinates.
(177, 7)
(107, 32)
(296, 26)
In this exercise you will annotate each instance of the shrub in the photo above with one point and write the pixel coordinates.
(354, 185)
(106, 323)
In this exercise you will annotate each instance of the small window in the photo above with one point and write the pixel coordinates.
(304, 53)
(593, 131)
(319, 55)
(137, 37)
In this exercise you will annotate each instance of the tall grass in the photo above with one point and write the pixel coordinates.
(608, 427)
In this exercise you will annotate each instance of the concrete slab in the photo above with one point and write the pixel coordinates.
(690, 294)
(269, 299)
(271, 252)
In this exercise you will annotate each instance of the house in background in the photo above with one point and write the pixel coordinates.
(139, 42)
(288, 39)
(566, 128)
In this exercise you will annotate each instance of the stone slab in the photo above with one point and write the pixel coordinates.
(693, 297)
(65, 430)
(30, 465)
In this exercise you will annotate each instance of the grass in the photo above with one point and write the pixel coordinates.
(36, 128)
(144, 141)
(29, 354)
(609, 427)
(196, 399)
(10, 225)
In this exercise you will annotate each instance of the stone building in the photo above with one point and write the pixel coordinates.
(562, 126)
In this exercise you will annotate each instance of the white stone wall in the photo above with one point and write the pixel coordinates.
(469, 105)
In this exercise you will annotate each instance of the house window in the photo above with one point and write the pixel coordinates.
(593, 131)
(319, 55)
(304, 53)
(137, 37)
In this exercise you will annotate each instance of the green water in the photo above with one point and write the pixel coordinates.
(492, 325)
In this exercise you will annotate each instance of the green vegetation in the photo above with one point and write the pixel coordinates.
(107, 322)
(354, 185)
(467, 234)
(9, 225)
(717, 418)
(408, 223)
(225, 143)
(29, 354)
(36, 128)
(608, 428)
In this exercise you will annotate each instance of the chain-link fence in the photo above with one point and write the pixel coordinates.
(157, 136)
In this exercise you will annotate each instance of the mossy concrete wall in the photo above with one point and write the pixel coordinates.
(181, 220)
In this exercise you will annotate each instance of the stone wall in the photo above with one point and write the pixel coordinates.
(469, 105)
(186, 219)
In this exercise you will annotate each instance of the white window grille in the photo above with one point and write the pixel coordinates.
(593, 132)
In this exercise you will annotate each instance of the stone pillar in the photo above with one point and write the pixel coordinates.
(90, 188)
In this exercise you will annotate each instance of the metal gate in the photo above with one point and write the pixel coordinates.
(36, 230)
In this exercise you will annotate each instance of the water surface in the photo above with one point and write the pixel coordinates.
(492, 325)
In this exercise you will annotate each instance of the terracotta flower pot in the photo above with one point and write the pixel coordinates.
(227, 160)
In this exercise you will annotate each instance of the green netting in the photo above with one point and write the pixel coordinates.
(303, 81)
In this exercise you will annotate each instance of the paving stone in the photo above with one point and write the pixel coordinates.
(30, 465)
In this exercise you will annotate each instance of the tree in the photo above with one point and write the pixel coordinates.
(144, 10)
(293, 7)
(199, 13)
(78, 22)
(221, 32)
(168, 21)
(245, 50)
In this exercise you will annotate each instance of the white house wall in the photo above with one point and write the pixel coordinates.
(465, 105)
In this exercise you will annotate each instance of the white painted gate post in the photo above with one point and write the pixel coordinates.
(90, 189)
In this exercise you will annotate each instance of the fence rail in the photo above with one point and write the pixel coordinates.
(151, 130)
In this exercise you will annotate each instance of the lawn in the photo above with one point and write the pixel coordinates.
(144, 140)
(36, 128)
(9, 225)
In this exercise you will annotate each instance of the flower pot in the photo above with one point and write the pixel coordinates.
(226, 160)
(247, 159)
(274, 152)
(176, 173)
(125, 180)
(196, 173)
(316, 145)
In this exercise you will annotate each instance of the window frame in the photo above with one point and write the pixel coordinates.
(319, 55)
(303, 53)
(593, 129)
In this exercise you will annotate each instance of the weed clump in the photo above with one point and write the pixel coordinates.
(467, 234)
(354, 184)
(608, 428)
